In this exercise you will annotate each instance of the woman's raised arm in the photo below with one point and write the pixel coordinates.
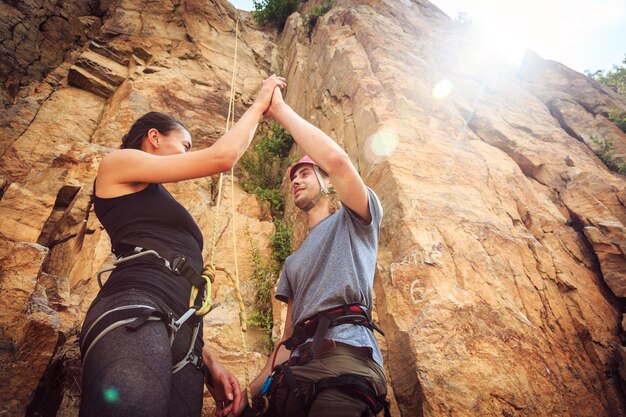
(164, 158)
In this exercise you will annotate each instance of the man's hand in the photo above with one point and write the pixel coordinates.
(268, 88)
(276, 103)
(225, 390)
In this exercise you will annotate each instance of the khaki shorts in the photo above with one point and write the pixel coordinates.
(344, 359)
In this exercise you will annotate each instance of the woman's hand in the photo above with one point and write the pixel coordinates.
(225, 386)
(276, 104)
(264, 96)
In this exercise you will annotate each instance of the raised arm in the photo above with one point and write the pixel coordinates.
(328, 155)
(134, 166)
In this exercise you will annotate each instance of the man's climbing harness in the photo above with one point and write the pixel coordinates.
(282, 378)
(315, 328)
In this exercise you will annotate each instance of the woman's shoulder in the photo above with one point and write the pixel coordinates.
(107, 183)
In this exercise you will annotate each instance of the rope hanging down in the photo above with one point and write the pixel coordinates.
(210, 268)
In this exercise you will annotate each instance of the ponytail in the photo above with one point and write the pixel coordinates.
(162, 122)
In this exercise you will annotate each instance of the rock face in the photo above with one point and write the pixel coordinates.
(502, 255)
(502, 267)
(179, 61)
(37, 35)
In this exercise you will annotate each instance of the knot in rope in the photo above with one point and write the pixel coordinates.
(209, 272)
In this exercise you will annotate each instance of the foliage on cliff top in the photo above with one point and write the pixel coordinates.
(274, 12)
(615, 78)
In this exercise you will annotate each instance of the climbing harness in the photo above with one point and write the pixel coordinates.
(176, 263)
(134, 316)
(315, 328)
(282, 378)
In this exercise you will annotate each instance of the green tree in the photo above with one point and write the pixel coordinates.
(615, 78)
(274, 12)
(264, 166)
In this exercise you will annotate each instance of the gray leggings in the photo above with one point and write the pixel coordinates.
(129, 373)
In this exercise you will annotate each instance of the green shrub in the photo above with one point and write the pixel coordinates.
(278, 142)
(272, 195)
(263, 281)
(614, 79)
(316, 12)
(619, 118)
(605, 150)
(264, 165)
(264, 276)
(281, 241)
(274, 12)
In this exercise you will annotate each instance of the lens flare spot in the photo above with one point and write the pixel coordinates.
(442, 89)
(111, 395)
(384, 142)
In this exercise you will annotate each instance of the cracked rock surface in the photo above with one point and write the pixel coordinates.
(501, 272)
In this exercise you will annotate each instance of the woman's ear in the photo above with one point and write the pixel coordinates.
(153, 138)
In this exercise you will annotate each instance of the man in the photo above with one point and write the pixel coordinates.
(327, 285)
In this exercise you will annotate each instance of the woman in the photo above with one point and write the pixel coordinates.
(135, 329)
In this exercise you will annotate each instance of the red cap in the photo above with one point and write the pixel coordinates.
(302, 161)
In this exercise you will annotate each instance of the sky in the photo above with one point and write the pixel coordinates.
(581, 34)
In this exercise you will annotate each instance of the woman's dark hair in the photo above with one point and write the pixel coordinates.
(162, 122)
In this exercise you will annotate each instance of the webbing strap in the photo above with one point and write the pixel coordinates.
(113, 316)
(190, 357)
(294, 386)
(320, 332)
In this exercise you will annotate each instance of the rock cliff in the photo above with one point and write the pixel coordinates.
(501, 271)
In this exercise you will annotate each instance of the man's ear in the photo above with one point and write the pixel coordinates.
(153, 138)
(329, 183)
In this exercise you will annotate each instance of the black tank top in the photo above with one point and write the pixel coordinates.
(152, 219)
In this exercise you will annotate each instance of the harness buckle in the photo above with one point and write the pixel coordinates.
(178, 263)
(176, 324)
